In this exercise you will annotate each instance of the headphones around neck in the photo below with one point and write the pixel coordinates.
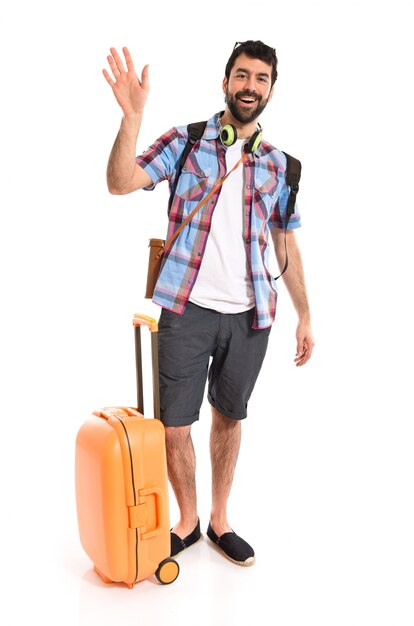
(228, 137)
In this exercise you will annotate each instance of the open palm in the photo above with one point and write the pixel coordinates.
(130, 92)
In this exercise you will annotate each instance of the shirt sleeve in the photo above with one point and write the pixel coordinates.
(278, 216)
(159, 160)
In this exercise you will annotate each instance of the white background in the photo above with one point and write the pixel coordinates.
(324, 484)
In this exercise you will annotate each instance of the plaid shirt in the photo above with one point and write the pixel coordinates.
(265, 200)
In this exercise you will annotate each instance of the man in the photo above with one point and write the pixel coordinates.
(215, 288)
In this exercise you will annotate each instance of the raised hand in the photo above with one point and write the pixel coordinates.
(130, 92)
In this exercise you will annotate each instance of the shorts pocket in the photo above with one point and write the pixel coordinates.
(169, 320)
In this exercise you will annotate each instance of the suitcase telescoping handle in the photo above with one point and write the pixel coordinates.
(138, 321)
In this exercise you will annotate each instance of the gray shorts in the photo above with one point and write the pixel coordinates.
(187, 342)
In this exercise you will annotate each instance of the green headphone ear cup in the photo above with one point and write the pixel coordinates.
(228, 135)
(257, 140)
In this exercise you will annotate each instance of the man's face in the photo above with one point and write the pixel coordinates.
(248, 89)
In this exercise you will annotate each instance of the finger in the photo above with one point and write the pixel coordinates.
(300, 347)
(128, 59)
(300, 350)
(305, 354)
(118, 61)
(145, 78)
(304, 359)
(300, 359)
(309, 351)
(108, 78)
(115, 70)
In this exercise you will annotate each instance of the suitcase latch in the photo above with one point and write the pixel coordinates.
(137, 516)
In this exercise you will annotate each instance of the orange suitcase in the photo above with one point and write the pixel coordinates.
(122, 486)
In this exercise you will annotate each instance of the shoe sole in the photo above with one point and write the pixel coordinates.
(247, 563)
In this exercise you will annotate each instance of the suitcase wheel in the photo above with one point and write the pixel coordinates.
(167, 571)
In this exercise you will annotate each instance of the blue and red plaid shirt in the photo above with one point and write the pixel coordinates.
(265, 200)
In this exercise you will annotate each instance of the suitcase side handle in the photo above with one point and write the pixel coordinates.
(152, 324)
(160, 509)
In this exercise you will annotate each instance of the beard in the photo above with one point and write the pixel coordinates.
(242, 114)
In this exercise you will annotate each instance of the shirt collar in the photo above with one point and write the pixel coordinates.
(213, 127)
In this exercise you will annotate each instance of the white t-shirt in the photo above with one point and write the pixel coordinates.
(223, 282)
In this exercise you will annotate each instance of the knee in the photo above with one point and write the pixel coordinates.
(223, 422)
(176, 435)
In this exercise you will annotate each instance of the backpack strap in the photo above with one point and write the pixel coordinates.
(292, 176)
(195, 132)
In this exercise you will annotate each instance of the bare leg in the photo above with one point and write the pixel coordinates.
(224, 449)
(181, 472)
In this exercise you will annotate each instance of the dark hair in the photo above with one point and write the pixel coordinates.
(254, 50)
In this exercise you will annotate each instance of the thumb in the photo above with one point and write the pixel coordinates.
(145, 77)
(300, 346)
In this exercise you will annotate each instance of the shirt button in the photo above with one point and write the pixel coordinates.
(248, 186)
(190, 282)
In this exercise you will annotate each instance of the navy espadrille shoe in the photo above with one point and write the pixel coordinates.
(233, 547)
(178, 544)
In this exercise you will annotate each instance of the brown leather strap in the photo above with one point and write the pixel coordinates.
(198, 207)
